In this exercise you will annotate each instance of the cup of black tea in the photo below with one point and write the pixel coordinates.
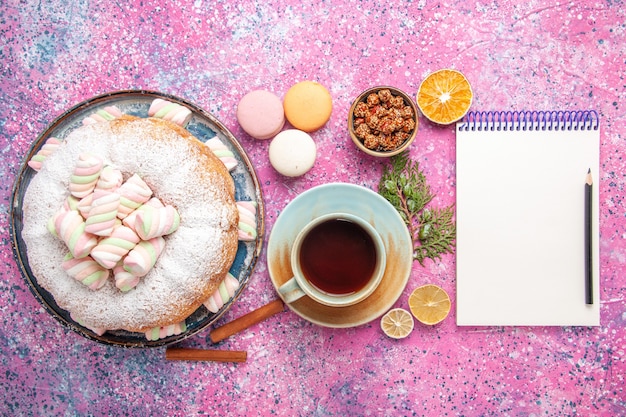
(337, 260)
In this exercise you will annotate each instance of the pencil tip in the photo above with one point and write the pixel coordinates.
(589, 172)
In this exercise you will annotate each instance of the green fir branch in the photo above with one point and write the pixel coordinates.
(432, 230)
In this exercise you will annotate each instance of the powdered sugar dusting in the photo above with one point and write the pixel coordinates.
(176, 170)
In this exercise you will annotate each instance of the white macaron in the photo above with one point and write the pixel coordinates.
(292, 152)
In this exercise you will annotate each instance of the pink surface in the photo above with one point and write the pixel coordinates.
(532, 56)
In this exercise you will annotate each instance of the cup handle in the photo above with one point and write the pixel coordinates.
(291, 291)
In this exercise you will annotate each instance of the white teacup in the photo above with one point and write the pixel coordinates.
(337, 260)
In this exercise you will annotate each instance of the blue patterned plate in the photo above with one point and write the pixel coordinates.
(203, 126)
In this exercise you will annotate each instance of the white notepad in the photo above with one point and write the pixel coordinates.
(520, 218)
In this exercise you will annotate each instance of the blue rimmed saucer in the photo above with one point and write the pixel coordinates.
(360, 201)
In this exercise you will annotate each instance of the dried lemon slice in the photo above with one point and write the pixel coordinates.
(445, 96)
(429, 304)
(397, 323)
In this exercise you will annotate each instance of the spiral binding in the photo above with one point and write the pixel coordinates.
(531, 120)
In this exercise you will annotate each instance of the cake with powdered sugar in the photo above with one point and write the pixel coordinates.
(131, 224)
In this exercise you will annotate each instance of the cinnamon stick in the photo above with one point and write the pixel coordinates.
(246, 321)
(188, 354)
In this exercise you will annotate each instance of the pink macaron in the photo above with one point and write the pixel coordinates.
(260, 114)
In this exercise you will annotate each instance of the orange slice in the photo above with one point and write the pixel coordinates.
(429, 304)
(445, 96)
(397, 323)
